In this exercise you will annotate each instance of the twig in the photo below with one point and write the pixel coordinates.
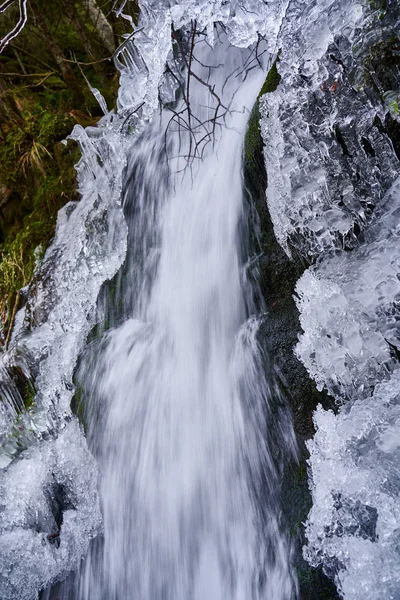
(6, 5)
(14, 312)
(93, 62)
(28, 74)
(40, 82)
(23, 15)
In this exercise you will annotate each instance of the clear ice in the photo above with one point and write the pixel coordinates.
(334, 198)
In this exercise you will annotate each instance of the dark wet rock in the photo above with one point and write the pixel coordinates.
(277, 278)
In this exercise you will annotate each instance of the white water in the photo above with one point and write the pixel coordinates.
(183, 435)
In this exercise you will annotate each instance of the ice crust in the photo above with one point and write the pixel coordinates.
(49, 479)
(334, 198)
(328, 164)
(353, 526)
(54, 478)
(349, 310)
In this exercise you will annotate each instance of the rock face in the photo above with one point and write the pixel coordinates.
(278, 275)
(331, 133)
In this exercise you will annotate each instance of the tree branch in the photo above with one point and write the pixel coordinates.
(23, 15)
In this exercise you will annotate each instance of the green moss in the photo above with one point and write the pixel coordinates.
(36, 179)
(78, 406)
(253, 142)
(381, 66)
(273, 79)
(40, 172)
(380, 5)
(29, 395)
(278, 276)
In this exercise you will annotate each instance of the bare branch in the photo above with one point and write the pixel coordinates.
(28, 74)
(93, 62)
(23, 15)
(6, 5)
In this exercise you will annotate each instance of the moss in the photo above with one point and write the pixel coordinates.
(40, 172)
(253, 142)
(37, 178)
(38, 109)
(273, 79)
(29, 395)
(78, 405)
(381, 66)
(380, 5)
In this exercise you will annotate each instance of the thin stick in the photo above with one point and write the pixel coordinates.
(14, 312)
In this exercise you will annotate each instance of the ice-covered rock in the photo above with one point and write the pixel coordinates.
(328, 161)
(334, 196)
(49, 513)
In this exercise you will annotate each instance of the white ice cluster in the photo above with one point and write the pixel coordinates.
(44, 455)
(353, 526)
(349, 311)
(350, 308)
(328, 164)
(49, 513)
(143, 66)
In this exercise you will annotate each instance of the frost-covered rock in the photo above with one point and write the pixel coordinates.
(349, 309)
(328, 162)
(49, 513)
(332, 185)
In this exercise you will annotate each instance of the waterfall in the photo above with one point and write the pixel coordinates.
(143, 306)
(180, 412)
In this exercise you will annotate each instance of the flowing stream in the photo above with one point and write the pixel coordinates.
(180, 410)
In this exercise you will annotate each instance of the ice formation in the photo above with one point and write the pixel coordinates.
(353, 526)
(334, 197)
(327, 161)
(44, 449)
(49, 512)
(349, 305)
(349, 308)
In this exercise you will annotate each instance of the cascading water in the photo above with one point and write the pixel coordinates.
(179, 389)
